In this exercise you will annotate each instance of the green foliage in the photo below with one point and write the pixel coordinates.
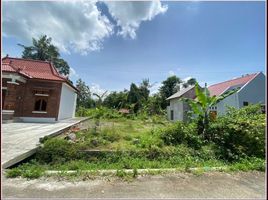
(13, 173)
(248, 164)
(57, 150)
(240, 133)
(168, 88)
(31, 170)
(42, 49)
(81, 112)
(103, 112)
(200, 107)
(191, 81)
(116, 100)
(84, 96)
(153, 105)
(180, 133)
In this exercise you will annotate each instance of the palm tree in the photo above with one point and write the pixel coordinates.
(100, 98)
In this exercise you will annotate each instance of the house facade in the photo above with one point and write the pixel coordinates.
(178, 109)
(248, 89)
(245, 90)
(33, 91)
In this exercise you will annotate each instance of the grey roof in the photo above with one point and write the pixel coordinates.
(181, 92)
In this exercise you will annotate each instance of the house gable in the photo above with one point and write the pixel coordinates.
(253, 92)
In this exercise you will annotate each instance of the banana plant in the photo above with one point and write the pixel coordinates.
(200, 107)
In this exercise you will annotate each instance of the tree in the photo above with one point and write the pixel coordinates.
(84, 95)
(42, 49)
(144, 89)
(153, 105)
(134, 97)
(200, 107)
(169, 87)
(100, 98)
(191, 81)
(116, 100)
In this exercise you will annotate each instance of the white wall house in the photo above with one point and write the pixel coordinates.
(250, 89)
(67, 102)
(177, 109)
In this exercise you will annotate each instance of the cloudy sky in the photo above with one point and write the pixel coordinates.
(111, 44)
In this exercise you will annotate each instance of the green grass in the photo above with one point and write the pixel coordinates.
(135, 144)
(116, 134)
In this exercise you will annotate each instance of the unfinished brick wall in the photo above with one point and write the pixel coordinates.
(21, 98)
(26, 104)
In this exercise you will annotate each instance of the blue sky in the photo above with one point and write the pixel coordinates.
(211, 41)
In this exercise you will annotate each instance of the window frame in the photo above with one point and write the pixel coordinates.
(245, 103)
(40, 110)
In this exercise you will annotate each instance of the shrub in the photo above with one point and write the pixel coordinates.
(180, 133)
(81, 112)
(110, 134)
(240, 133)
(12, 173)
(32, 173)
(57, 150)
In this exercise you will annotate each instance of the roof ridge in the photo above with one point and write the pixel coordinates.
(27, 59)
(233, 79)
(11, 65)
(53, 72)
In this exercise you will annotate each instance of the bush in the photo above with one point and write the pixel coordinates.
(240, 133)
(81, 112)
(57, 150)
(13, 173)
(180, 133)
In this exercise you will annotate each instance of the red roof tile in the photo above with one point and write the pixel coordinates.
(219, 88)
(32, 68)
(7, 68)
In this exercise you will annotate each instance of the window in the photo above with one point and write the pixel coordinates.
(171, 115)
(245, 103)
(40, 104)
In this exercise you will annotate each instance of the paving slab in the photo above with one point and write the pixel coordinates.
(20, 139)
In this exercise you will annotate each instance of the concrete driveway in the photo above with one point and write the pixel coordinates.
(19, 140)
(213, 185)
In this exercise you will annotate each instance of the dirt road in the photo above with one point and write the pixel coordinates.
(179, 185)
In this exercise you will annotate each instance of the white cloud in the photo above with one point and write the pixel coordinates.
(129, 15)
(73, 73)
(154, 89)
(96, 88)
(171, 73)
(187, 79)
(77, 26)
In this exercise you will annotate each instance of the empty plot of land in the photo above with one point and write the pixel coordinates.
(19, 140)
(179, 185)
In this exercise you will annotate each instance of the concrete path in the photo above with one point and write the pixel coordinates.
(20, 140)
(212, 185)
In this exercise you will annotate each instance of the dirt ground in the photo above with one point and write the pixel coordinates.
(180, 185)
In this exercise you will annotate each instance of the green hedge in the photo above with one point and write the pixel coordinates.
(240, 133)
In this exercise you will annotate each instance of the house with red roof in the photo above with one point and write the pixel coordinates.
(245, 90)
(248, 89)
(34, 91)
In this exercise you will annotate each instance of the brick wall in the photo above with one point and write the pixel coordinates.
(21, 98)
(53, 100)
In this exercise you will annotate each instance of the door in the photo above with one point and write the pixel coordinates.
(4, 92)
